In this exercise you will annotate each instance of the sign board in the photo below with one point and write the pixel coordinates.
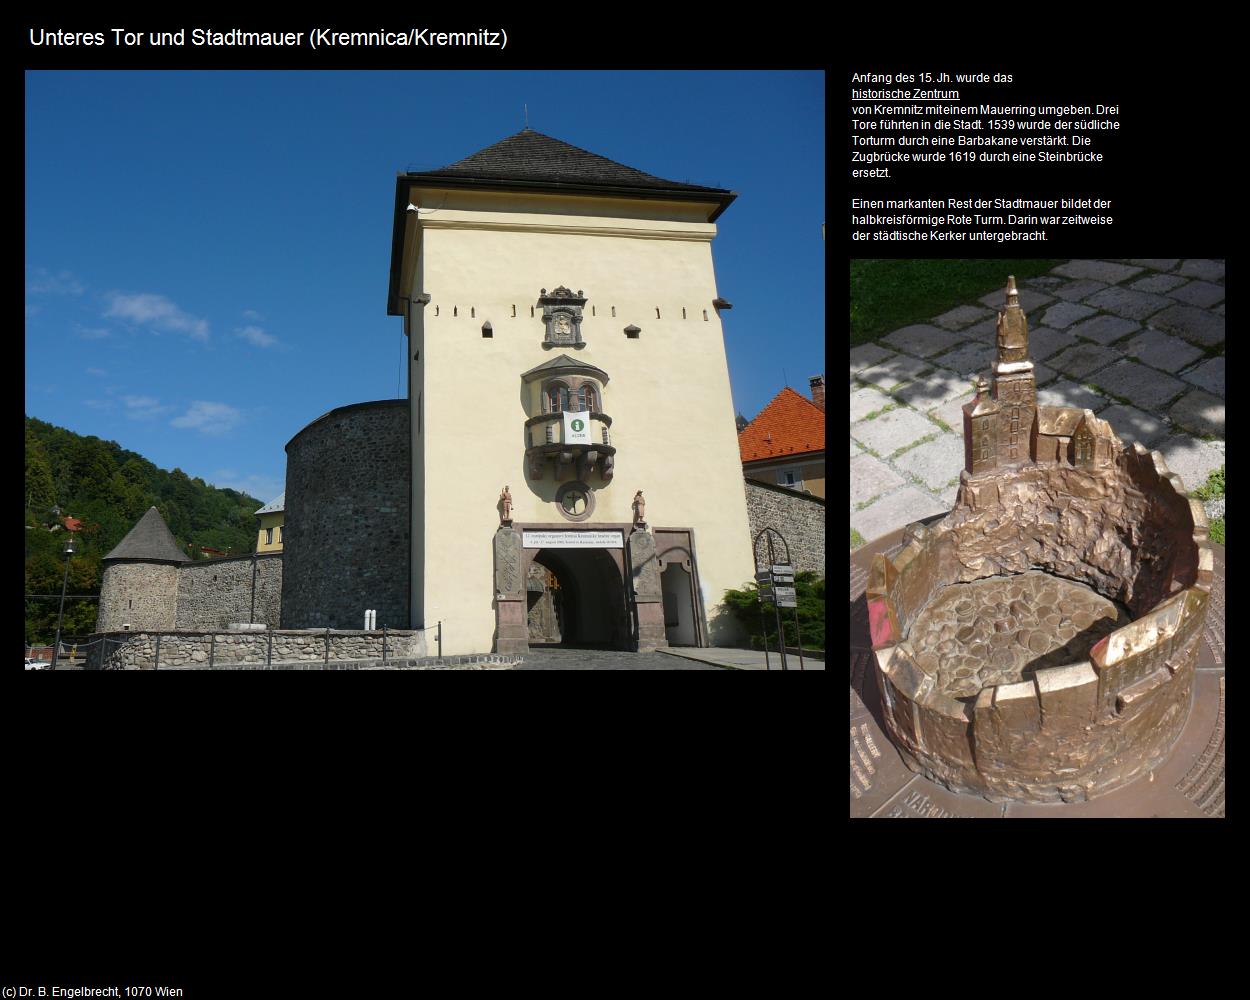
(783, 570)
(784, 593)
(576, 428)
(573, 540)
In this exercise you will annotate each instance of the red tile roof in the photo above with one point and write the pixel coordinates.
(789, 425)
(72, 524)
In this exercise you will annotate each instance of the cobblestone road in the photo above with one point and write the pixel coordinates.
(605, 659)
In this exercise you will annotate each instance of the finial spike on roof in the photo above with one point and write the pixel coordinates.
(1013, 296)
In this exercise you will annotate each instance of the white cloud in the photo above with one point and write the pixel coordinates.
(255, 335)
(92, 332)
(157, 312)
(208, 417)
(253, 315)
(44, 282)
(144, 407)
(264, 487)
(101, 404)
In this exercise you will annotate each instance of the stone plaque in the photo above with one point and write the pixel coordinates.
(562, 317)
(508, 580)
(573, 540)
(643, 569)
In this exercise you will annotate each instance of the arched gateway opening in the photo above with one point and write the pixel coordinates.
(576, 598)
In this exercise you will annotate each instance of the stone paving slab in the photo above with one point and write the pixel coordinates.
(1208, 270)
(1103, 329)
(1190, 458)
(895, 511)
(871, 477)
(961, 316)
(1043, 283)
(1141, 386)
(1199, 293)
(1083, 359)
(896, 371)
(1209, 375)
(969, 360)
(934, 389)
(865, 401)
(922, 340)
(856, 449)
(1219, 309)
(1200, 412)
(1157, 283)
(951, 413)
(867, 355)
(1043, 373)
(890, 431)
(1029, 299)
(1158, 263)
(1197, 325)
(1132, 424)
(1070, 394)
(949, 495)
(1074, 291)
(1043, 343)
(1065, 314)
(1169, 354)
(935, 462)
(1128, 303)
(1099, 270)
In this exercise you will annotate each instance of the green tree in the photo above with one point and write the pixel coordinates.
(40, 492)
(809, 590)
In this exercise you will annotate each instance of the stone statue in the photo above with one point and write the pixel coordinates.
(640, 509)
(505, 499)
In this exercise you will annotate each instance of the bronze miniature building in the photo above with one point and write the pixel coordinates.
(1039, 641)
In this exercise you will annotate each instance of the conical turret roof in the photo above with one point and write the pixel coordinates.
(150, 541)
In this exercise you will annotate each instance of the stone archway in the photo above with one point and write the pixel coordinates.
(590, 602)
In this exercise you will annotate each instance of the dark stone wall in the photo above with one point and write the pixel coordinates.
(346, 536)
(800, 519)
(218, 592)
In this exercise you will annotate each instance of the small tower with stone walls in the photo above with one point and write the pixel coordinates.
(140, 585)
(981, 417)
(1015, 390)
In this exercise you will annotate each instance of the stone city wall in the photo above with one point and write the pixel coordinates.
(218, 592)
(142, 595)
(346, 536)
(137, 650)
(799, 517)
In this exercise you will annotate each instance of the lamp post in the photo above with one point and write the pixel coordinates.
(69, 554)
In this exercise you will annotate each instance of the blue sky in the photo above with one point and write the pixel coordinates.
(207, 253)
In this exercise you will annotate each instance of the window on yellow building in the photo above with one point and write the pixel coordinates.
(269, 536)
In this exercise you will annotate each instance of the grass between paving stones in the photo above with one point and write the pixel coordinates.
(1217, 530)
(943, 424)
(885, 409)
(888, 294)
(856, 539)
(1213, 488)
(915, 444)
(1106, 392)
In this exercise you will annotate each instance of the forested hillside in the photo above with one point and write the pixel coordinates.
(108, 488)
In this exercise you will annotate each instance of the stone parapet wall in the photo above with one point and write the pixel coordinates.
(800, 519)
(346, 535)
(137, 650)
(218, 592)
(143, 595)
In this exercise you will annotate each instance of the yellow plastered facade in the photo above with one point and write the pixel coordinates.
(479, 255)
(271, 521)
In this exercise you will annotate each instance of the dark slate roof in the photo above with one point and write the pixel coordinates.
(562, 364)
(532, 156)
(149, 540)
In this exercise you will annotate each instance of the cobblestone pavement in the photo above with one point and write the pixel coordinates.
(1140, 342)
(605, 659)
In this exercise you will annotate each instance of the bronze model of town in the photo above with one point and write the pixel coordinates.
(1038, 641)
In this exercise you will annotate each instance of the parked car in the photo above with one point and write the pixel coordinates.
(33, 664)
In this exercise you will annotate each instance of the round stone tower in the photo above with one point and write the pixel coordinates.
(140, 585)
(346, 536)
